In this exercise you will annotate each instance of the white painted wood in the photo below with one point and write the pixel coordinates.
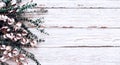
(82, 18)
(80, 37)
(77, 56)
(77, 3)
(68, 43)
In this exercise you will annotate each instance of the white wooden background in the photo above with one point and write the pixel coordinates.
(82, 32)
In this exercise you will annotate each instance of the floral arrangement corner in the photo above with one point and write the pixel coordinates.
(14, 34)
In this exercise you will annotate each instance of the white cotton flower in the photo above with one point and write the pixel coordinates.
(13, 2)
(22, 56)
(8, 48)
(18, 24)
(33, 43)
(11, 21)
(5, 28)
(15, 39)
(3, 47)
(18, 36)
(15, 51)
(24, 33)
(4, 36)
(24, 41)
(3, 59)
(11, 35)
(2, 17)
(10, 55)
(5, 52)
(2, 4)
(5, 17)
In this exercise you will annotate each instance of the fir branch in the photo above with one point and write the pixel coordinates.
(2, 10)
(29, 55)
(26, 6)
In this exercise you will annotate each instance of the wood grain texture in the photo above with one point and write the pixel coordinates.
(82, 32)
(81, 37)
(77, 3)
(77, 56)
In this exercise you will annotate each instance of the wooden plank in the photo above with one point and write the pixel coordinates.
(86, 4)
(79, 37)
(77, 3)
(82, 18)
(77, 56)
(79, 18)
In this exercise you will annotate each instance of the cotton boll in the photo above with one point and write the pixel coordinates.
(18, 36)
(8, 48)
(19, 24)
(5, 29)
(15, 39)
(24, 41)
(13, 2)
(3, 47)
(5, 17)
(33, 43)
(11, 21)
(5, 52)
(24, 33)
(4, 36)
(10, 55)
(2, 4)
(15, 51)
(3, 59)
(22, 56)
(2, 17)
(11, 35)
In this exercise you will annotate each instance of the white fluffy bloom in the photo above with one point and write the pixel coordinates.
(10, 21)
(2, 4)
(18, 36)
(22, 56)
(15, 51)
(3, 59)
(10, 55)
(8, 48)
(5, 28)
(24, 32)
(33, 43)
(5, 52)
(24, 41)
(3, 47)
(18, 25)
(10, 36)
(3, 17)
(13, 2)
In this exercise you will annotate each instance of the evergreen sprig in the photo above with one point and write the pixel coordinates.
(26, 6)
